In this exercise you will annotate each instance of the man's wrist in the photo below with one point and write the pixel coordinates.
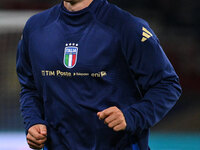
(32, 123)
(130, 122)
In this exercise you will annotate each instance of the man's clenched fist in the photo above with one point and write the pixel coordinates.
(114, 118)
(36, 137)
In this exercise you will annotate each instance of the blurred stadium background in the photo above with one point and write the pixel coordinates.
(176, 23)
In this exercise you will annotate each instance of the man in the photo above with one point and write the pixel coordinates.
(93, 77)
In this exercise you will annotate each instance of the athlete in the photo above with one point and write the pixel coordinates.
(93, 77)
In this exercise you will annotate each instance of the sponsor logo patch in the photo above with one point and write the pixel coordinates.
(145, 34)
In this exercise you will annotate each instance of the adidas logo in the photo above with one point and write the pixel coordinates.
(146, 34)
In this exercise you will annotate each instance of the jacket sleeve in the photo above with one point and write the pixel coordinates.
(30, 101)
(156, 78)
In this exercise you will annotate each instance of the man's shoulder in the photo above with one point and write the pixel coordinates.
(42, 18)
(120, 19)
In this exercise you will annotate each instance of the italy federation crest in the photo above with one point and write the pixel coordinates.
(70, 55)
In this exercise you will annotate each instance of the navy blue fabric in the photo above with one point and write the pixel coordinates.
(139, 78)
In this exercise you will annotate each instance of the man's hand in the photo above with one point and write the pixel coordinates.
(114, 118)
(36, 137)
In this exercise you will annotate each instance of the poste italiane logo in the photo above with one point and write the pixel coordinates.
(70, 55)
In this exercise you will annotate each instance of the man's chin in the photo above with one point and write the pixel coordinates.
(71, 0)
(68, 0)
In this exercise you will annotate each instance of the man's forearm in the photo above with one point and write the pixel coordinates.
(153, 106)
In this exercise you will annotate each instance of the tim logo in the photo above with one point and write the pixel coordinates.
(70, 55)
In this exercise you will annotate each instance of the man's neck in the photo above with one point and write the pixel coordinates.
(76, 5)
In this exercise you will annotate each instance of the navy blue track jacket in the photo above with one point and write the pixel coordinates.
(73, 64)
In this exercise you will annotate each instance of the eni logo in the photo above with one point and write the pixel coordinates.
(99, 74)
(103, 73)
(70, 55)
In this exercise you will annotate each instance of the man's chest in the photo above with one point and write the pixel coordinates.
(51, 49)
